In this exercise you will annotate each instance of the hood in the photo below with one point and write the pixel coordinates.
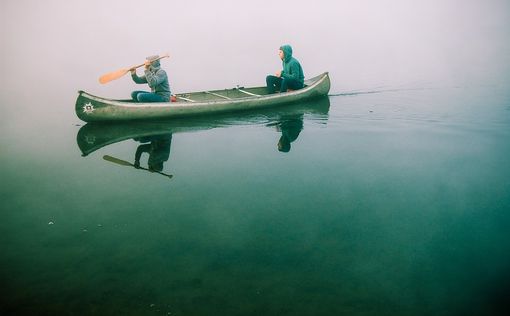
(287, 52)
(154, 63)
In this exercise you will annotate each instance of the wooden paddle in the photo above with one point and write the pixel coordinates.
(125, 163)
(121, 72)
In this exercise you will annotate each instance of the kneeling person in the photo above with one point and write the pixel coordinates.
(157, 80)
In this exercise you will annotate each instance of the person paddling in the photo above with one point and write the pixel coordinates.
(157, 80)
(291, 77)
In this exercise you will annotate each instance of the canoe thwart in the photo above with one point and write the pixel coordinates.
(185, 99)
(218, 95)
(248, 93)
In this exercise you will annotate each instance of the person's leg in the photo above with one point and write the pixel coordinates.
(284, 85)
(273, 83)
(150, 97)
(290, 84)
(294, 85)
(134, 95)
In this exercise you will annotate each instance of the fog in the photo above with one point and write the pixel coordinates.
(392, 203)
(66, 45)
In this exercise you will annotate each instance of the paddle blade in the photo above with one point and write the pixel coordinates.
(117, 161)
(113, 75)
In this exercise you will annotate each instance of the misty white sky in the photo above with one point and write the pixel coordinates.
(217, 44)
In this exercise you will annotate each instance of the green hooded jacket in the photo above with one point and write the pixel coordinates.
(291, 67)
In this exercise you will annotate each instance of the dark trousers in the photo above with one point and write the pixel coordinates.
(144, 96)
(275, 83)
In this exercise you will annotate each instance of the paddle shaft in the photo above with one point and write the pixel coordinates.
(138, 66)
(125, 163)
(121, 72)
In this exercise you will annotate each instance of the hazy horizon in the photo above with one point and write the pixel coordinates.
(393, 199)
(215, 45)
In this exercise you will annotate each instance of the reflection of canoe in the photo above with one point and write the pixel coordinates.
(93, 136)
(91, 108)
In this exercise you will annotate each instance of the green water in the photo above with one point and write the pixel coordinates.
(393, 197)
(387, 203)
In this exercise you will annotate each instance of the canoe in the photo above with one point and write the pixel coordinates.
(90, 108)
(94, 136)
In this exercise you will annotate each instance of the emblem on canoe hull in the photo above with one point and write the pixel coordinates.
(88, 108)
(90, 139)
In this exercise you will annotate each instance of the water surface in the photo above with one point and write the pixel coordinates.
(389, 197)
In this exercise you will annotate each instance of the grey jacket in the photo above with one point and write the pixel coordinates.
(156, 78)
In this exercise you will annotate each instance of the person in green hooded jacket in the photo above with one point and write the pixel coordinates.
(291, 77)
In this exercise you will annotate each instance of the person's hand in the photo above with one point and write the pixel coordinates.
(147, 64)
(133, 71)
(278, 73)
(137, 164)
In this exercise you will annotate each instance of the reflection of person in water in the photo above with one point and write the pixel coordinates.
(290, 128)
(158, 150)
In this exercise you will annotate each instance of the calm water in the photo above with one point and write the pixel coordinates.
(391, 198)
(387, 203)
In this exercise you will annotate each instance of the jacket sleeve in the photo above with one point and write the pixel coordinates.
(137, 79)
(293, 72)
(154, 79)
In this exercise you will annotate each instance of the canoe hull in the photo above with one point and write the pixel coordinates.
(90, 108)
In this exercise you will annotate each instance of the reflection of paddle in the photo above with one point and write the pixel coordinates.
(121, 72)
(125, 163)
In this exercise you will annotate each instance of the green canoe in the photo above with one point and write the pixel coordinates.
(93, 136)
(90, 108)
